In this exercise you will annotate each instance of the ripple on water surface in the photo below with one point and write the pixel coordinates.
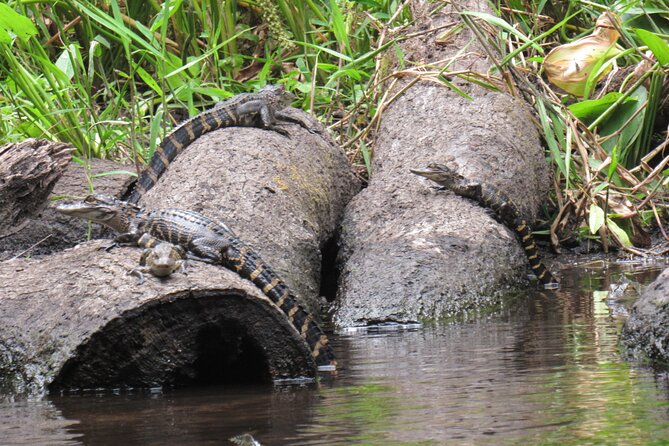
(544, 371)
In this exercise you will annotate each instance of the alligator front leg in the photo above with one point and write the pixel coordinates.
(282, 116)
(208, 250)
(139, 273)
(127, 239)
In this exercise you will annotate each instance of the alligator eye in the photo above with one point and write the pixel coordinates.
(89, 199)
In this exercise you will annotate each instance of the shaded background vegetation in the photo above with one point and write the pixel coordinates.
(112, 77)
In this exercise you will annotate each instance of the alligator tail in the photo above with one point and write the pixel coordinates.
(527, 239)
(175, 142)
(248, 265)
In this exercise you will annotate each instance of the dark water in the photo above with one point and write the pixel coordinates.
(544, 371)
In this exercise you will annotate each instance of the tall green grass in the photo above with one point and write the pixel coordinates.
(111, 78)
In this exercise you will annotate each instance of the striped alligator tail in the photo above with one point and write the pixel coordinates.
(246, 109)
(174, 143)
(527, 239)
(248, 264)
(505, 210)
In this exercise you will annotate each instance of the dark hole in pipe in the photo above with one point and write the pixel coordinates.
(329, 270)
(182, 343)
(225, 354)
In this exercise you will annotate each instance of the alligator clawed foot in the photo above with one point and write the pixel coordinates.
(288, 118)
(138, 273)
(281, 131)
(107, 247)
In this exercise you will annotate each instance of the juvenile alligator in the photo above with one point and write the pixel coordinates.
(505, 209)
(159, 258)
(245, 110)
(206, 240)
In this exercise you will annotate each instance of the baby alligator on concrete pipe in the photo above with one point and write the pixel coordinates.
(244, 110)
(209, 241)
(505, 209)
(160, 259)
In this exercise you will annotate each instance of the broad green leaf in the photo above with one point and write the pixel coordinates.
(327, 67)
(614, 161)
(154, 131)
(118, 29)
(646, 9)
(369, 4)
(587, 111)
(148, 80)
(64, 63)
(174, 63)
(595, 218)
(5, 37)
(622, 114)
(168, 9)
(655, 43)
(331, 52)
(603, 65)
(351, 73)
(550, 137)
(365, 57)
(12, 21)
(618, 231)
(50, 69)
(337, 25)
(600, 187)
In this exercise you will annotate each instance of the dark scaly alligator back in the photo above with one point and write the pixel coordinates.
(200, 235)
(248, 264)
(225, 114)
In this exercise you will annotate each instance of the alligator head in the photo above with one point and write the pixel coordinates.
(109, 211)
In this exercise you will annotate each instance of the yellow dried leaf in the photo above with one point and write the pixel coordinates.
(569, 66)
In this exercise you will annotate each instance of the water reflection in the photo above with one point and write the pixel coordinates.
(34, 422)
(546, 370)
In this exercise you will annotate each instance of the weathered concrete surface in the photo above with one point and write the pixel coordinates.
(48, 231)
(282, 195)
(75, 319)
(645, 334)
(410, 252)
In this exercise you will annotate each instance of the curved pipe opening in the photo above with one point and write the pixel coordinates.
(212, 339)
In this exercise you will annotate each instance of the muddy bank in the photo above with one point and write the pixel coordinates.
(410, 251)
(645, 334)
(76, 320)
